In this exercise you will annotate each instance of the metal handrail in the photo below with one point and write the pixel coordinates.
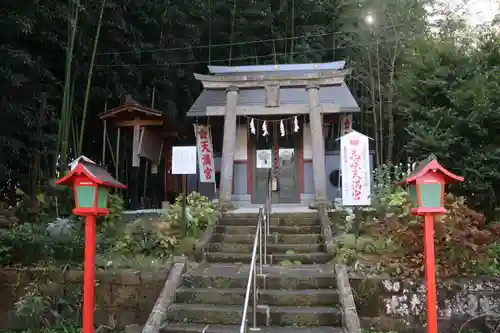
(252, 278)
(259, 242)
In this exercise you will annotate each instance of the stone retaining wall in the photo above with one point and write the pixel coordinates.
(123, 296)
(399, 304)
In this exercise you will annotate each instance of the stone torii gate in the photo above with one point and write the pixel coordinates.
(283, 76)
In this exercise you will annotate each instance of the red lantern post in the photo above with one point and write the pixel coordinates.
(91, 185)
(426, 188)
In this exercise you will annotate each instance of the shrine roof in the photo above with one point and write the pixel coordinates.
(277, 69)
(339, 94)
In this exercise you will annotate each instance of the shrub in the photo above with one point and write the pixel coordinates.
(29, 244)
(62, 241)
(385, 193)
(42, 307)
(116, 207)
(464, 243)
(162, 238)
(144, 237)
(391, 238)
(199, 211)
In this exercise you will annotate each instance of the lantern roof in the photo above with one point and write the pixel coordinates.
(94, 172)
(82, 158)
(430, 164)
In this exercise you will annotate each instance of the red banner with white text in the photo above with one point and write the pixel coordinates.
(205, 153)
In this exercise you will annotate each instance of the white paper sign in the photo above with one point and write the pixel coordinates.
(184, 160)
(355, 168)
(264, 159)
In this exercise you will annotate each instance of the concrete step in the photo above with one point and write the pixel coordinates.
(274, 214)
(203, 328)
(266, 316)
(250, 229)
(275, 220)
(293, 277)
(236, 296)
(272, 259)
(304, 238)
(271, 248)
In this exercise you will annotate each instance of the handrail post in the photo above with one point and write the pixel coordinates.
(254, 305)
(259, 231)
(270, 193)
(264, 219)
(265, 238)
(266, 225)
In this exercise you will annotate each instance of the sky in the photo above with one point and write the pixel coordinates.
(479, 11)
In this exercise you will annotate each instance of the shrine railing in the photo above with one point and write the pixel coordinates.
(260, 249)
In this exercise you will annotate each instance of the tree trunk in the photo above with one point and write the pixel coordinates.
(380, 105)
(36, 157)
(374, 111)
(390, 122)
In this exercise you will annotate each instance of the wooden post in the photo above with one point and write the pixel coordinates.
(104, 133)
(156, 183)
(145, 182)
(168, 160)
(110, 146)
(184, 203)
(136, 163)
(117, 160)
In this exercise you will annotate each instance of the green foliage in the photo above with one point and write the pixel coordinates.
(392, 242)
(110, 260)
(490, 265)
(388, 197)
(114, 219)
(144, 237)
(348, 247)
(170, 234)
(42, 308)
(55, 200)
(199, 211)
(451, 105)
(385, 178)
(146, 243)
(30, 244)
(389, 239)
(62, 327)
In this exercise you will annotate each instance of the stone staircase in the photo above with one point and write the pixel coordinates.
(297, 294)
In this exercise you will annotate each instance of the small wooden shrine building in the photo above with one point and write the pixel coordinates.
(141, 152)
(278, 120)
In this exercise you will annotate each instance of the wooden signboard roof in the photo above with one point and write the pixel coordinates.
(131, 113)
(133, 109)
